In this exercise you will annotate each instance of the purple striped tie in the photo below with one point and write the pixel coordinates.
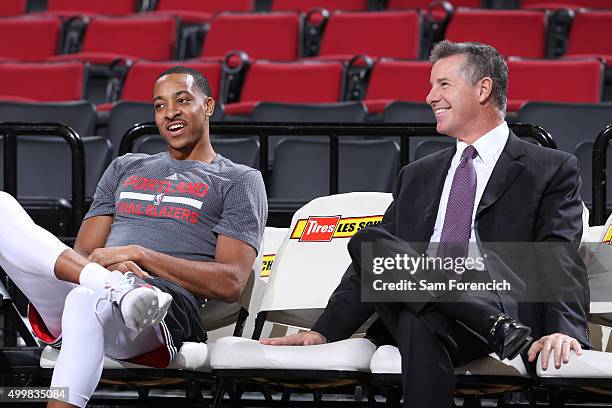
(458, 219)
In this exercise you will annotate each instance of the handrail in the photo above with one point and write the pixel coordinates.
(11, 130)
(332, 130)
(600, 179)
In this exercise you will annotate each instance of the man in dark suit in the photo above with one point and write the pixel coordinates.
(491, 187)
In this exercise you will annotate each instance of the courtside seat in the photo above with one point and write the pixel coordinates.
(44, 82)
(387, 360)
(31, 38)
(591, 365)
(397, 80)
(499, 28)
(592, 371)
(306, 5)
(590, 34)
(240, 353)
(538, 80)
(107, 39)
(306, 270)
(600, 278)
(300, 82)
(393, 34)
(273, 36)
(192, 356)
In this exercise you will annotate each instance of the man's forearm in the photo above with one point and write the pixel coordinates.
(211, 280)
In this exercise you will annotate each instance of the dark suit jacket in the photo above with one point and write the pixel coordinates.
(532, 196)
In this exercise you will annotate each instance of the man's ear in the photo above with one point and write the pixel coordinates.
(485, 89)
(209, 106)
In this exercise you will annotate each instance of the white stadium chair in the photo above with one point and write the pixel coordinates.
(308, 266)
(592, 371)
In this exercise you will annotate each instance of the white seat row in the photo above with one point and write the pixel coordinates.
(308, 266)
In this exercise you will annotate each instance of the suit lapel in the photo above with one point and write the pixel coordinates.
(506, 170)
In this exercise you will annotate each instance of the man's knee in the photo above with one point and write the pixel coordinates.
(78, 298)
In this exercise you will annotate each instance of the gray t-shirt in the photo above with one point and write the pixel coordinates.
(178, 207)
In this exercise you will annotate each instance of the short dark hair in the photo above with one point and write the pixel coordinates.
(200, 80)
(481, 60)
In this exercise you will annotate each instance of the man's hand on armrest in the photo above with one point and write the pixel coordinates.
(298, 339)
(556, 344)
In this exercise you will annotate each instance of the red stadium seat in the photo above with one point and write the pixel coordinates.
(100, 7)
(305, 5)
(273, 36)
(590, 34)
(107, 39)
(29, 38)
(142, 75)
(193, 11)
(42, 82)
(568, 4)
(11, 8)
(397, 80)
(302, 82)
(519, 33)
(554, 81)
(394, 34)
(424, 4)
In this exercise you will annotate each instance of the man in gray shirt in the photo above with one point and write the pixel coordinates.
(176, 226)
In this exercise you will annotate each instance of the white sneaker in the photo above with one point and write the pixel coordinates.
(141, 305)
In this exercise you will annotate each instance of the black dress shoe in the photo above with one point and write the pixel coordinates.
(509, 337)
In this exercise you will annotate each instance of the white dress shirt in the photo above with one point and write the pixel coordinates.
(489, 148)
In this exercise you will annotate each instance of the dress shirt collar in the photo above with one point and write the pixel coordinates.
(489, 145)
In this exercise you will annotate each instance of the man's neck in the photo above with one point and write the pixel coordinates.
(481, 129)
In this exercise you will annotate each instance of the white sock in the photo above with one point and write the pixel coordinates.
(94, 276)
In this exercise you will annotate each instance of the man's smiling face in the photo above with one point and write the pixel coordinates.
(180, 111)
(453, 98)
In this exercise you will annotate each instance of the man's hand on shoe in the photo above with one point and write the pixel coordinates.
(123, 259)
(558, 344)
(309, 338)
(129, 266)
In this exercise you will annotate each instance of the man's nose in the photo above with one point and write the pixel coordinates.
(172, 111)
(431, 97)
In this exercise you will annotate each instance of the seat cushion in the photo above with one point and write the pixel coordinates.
(192, 356)
(241, 353)
(387, 360)
(591, 364)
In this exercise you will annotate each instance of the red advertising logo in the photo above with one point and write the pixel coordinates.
(320, 229)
